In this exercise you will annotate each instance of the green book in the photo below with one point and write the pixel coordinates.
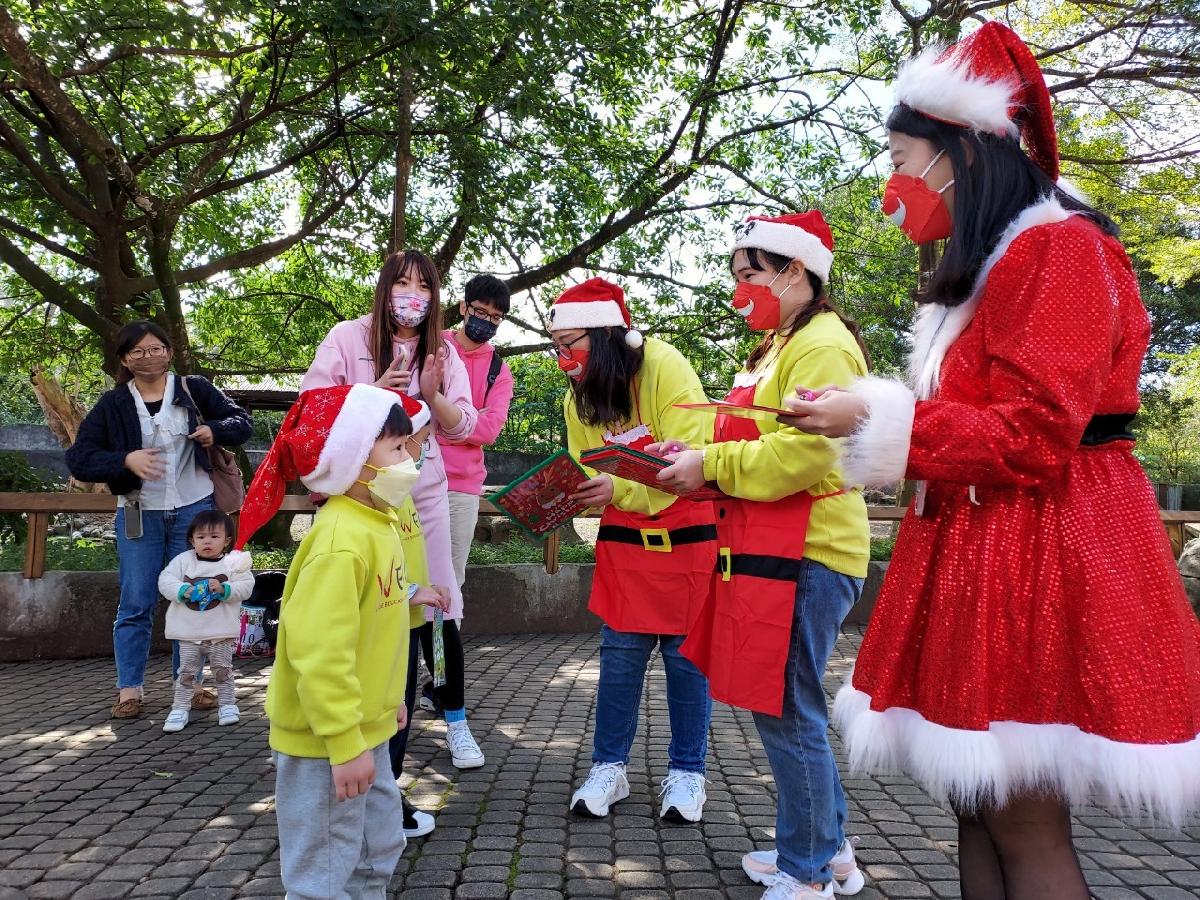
(539, 501)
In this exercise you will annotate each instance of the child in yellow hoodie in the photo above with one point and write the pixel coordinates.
(337, 687)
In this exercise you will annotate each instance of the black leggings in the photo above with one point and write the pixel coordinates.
(1021, 851)
(452, 695)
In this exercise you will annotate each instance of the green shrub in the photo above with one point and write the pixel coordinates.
(16, 475)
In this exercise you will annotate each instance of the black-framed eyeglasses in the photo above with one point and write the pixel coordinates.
(494, 318)
(564, 350)
(143, 352)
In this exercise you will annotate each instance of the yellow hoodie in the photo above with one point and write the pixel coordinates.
(666, 378)
(416, 565)
(342, 653)
(785, 461)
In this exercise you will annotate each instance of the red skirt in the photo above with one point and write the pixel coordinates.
(1035, 638)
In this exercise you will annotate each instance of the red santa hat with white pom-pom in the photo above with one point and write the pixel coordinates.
(804, 236)
(988, 82)
(324, 440)
(595, 303)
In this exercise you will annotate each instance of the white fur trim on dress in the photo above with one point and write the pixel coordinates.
(350, 439)
(938, 327)
(787, 240)
(974, 768)
(876, 454)
(947, 89)
(586, 314)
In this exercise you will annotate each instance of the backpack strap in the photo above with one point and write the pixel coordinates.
(493, 373)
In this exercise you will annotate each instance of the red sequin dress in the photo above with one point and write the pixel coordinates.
(1032, 630)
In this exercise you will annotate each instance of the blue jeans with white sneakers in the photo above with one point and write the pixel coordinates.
(624, 656)
(810, 820)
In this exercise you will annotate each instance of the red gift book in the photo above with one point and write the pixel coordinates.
(741, 410)
(634, 465)
(539, 501)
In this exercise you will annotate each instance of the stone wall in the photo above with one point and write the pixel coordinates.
(69, 615)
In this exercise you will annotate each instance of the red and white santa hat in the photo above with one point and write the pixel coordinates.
(989, 82)
(804, 236)
(595, 303)
(324, 440)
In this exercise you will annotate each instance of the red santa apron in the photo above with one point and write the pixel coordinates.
(742, 635)
(652, 571)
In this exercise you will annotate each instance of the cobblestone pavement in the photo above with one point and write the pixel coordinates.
(95, 809)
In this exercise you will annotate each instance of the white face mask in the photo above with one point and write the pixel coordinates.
(393, 484)
(410, 309)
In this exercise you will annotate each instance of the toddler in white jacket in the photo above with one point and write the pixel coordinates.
(206, 586)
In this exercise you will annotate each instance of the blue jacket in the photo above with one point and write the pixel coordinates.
(111, 431)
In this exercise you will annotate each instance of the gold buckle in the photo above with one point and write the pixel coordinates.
(725, 563)
(656, 540)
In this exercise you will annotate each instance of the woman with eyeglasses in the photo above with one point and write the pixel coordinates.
(400, 345)
(655, 552)
(146, 440)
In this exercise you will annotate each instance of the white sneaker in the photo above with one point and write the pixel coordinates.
(762, 867)
(464, 752)
(785, 887)
(417, 823)
(682, 796)
(605, 785)
(177, 720)
(228, 715)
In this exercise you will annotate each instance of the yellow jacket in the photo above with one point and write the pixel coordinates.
(666, 378)
(412, 541)
(342, 653)
(785, 461)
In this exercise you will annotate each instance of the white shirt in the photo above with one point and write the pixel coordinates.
(185, 482)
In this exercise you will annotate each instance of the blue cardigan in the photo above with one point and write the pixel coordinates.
(111, 431)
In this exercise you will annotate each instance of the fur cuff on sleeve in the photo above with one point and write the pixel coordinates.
(876, 454)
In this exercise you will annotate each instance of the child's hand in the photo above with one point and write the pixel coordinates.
(215, 587)
(354, 778)
(401, 717)
(187, 594)
(437, 597)
(686, 472)
(596, 491)
(662, 448)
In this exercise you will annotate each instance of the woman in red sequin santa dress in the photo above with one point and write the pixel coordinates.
(1032, 646)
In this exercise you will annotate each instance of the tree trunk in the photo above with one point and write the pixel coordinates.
(63, 414)
(404, 164)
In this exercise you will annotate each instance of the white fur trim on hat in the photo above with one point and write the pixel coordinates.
(786, 240)
(422, 418)
(586, 314)
(947, 89)
(350, 439)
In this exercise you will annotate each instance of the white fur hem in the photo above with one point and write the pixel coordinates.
(586, 314)
(876, 454)
(974, 768)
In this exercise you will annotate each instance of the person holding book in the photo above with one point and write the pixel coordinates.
(1032, 647)
(655, 552)
(793, 547)
(400, 345)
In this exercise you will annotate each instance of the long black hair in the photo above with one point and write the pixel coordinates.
(130, 336)
(604, 393)
(993, 182)
(764, 260)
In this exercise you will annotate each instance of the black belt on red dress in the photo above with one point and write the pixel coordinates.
(779, 568)
(689, 534)
(1106, 429)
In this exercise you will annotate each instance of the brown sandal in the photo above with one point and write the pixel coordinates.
(204, 699)
(127, 709)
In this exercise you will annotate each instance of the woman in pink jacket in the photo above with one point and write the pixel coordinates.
(400, 345)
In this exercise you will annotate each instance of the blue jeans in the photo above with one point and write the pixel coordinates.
(624, 656)
(140, 561)
(810, 821)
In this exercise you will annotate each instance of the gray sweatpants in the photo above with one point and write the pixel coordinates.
(330, 850)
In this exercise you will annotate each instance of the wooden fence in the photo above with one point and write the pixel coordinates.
(38, 508)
